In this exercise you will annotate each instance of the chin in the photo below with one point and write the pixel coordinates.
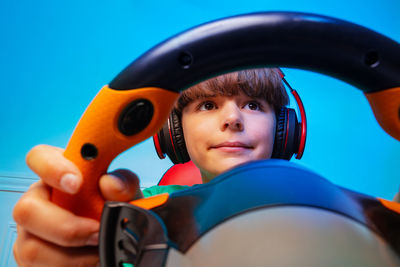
(230, 164)
(225, 164)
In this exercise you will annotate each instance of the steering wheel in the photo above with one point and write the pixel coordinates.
(263, 213)
(136, 103)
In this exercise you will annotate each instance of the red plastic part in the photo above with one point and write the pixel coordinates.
(182, 174)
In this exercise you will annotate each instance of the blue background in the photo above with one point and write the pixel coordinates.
(56, 55)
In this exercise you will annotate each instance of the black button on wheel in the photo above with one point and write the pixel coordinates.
(135, 117)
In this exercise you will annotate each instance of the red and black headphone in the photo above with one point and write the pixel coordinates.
(290, 134)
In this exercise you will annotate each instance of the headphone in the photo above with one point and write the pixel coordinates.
(290, 134)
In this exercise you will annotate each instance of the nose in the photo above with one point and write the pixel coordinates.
(232, 118)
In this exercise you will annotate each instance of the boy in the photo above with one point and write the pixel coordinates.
(227, 120)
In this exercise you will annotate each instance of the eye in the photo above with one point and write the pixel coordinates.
(207, 105)
(253, 105)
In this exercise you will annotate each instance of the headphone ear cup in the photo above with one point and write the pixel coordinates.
(163, 142)
(170, 140)
(287, 134)
(280, 129)
(178, 139)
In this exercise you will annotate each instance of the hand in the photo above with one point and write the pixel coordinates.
(49, 235)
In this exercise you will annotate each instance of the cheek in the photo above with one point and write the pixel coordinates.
(264, 133)
(192, 132)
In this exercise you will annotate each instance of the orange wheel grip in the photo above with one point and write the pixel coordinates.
(394, 206)
(386, 107)
(99, 127)
(151, 202)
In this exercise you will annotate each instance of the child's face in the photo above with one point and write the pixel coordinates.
(224, 131)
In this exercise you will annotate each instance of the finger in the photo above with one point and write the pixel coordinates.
(37, 215)
(120, 185)
(32, 251)
(54, 169)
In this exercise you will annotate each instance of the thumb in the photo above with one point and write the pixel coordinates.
(120, 185)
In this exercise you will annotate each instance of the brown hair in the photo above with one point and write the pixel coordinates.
(265, 83)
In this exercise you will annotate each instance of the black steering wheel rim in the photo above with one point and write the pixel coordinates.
(347, 51)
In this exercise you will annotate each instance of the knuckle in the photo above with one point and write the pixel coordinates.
(27, 253)
(15, 253)
(34, 150)
(22, 210)
(70, 235)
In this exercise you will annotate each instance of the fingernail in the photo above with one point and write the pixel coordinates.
(93, 240)
(70, 183)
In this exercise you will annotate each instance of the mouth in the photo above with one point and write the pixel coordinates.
(231, 146)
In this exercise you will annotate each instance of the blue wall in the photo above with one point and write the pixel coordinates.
(56, 55)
